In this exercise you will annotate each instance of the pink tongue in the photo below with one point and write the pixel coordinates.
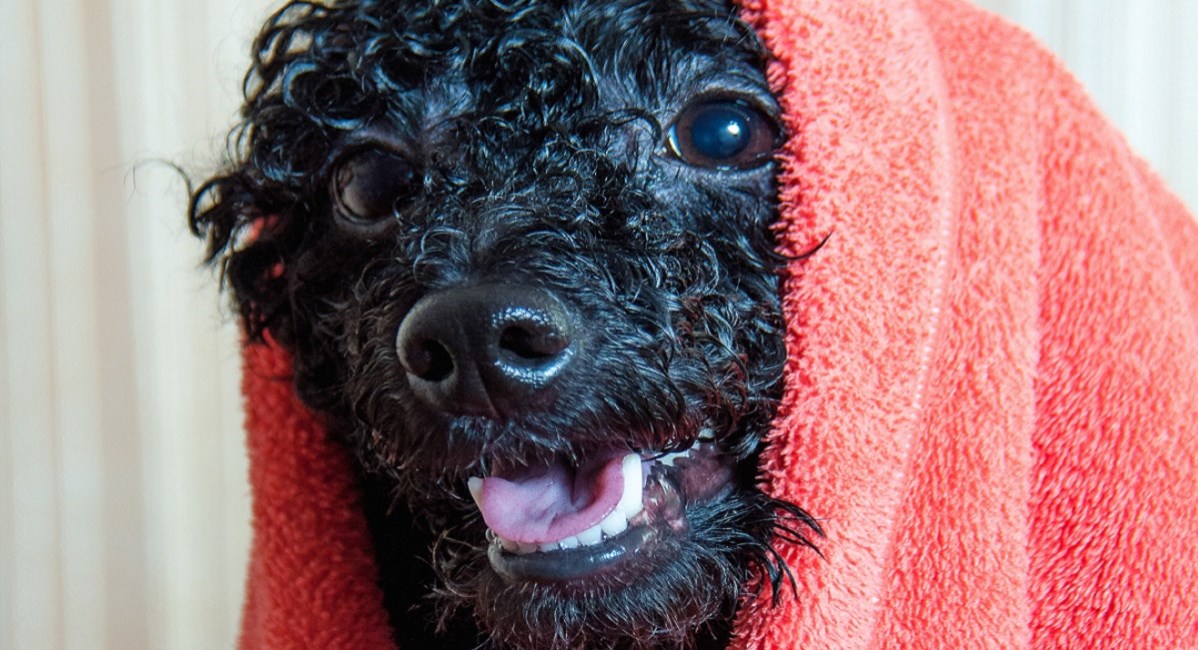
(541, 505)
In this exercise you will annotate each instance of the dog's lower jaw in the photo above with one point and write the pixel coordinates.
(680, 591)
(700, 544)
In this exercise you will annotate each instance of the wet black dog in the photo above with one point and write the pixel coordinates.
(521, 252)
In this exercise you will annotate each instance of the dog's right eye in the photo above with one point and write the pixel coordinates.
(369, 187)
(722, 134)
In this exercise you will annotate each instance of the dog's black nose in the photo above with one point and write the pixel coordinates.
(487, 349)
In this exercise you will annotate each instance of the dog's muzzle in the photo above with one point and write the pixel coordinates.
(499, 351)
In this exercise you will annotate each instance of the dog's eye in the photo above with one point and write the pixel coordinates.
(369, 186)
(722, 134)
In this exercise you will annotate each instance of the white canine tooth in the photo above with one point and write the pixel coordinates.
(634, 486)
(508, 545)
(614, 524)
(476, 490)
(591, 536)
(549, 548)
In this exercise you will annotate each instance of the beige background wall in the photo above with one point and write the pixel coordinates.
(123, 505)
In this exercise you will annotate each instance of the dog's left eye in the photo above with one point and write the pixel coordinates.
(722, 134)
(369, 186)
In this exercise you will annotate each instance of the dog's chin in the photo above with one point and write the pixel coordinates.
(672, 557)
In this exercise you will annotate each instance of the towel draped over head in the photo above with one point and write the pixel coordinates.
(992, 398)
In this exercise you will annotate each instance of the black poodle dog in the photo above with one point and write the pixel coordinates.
(521, 253)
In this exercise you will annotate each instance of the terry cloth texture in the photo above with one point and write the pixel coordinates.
(992, 400)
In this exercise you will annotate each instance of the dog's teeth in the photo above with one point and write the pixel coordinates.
(631, 504)
(668, 459)
(525, 549)
(706, 435)
(614, 524)
(591, 536)
(519, 548)
(476, 490)
(569, 543)
(548, 547)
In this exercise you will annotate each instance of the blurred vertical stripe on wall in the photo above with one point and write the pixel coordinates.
(1137, 59)
(124, 516)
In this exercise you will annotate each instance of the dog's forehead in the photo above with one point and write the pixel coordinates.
(569, 59)
(479, 82)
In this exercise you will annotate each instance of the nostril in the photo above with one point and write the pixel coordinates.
(520, 343)
(429, 360)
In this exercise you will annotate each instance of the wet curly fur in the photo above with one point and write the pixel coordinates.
(535, 131)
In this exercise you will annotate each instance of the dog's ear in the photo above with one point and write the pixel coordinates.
(256, 212)
(247, 241)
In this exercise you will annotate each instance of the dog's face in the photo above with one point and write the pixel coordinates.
(521, 253)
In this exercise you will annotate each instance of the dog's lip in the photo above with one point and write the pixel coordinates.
(568, 566)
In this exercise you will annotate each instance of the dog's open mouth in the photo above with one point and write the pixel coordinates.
(562, 522)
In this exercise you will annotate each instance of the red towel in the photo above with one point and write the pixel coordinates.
(992, 404)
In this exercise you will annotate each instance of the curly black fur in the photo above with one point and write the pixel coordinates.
(536, 133)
